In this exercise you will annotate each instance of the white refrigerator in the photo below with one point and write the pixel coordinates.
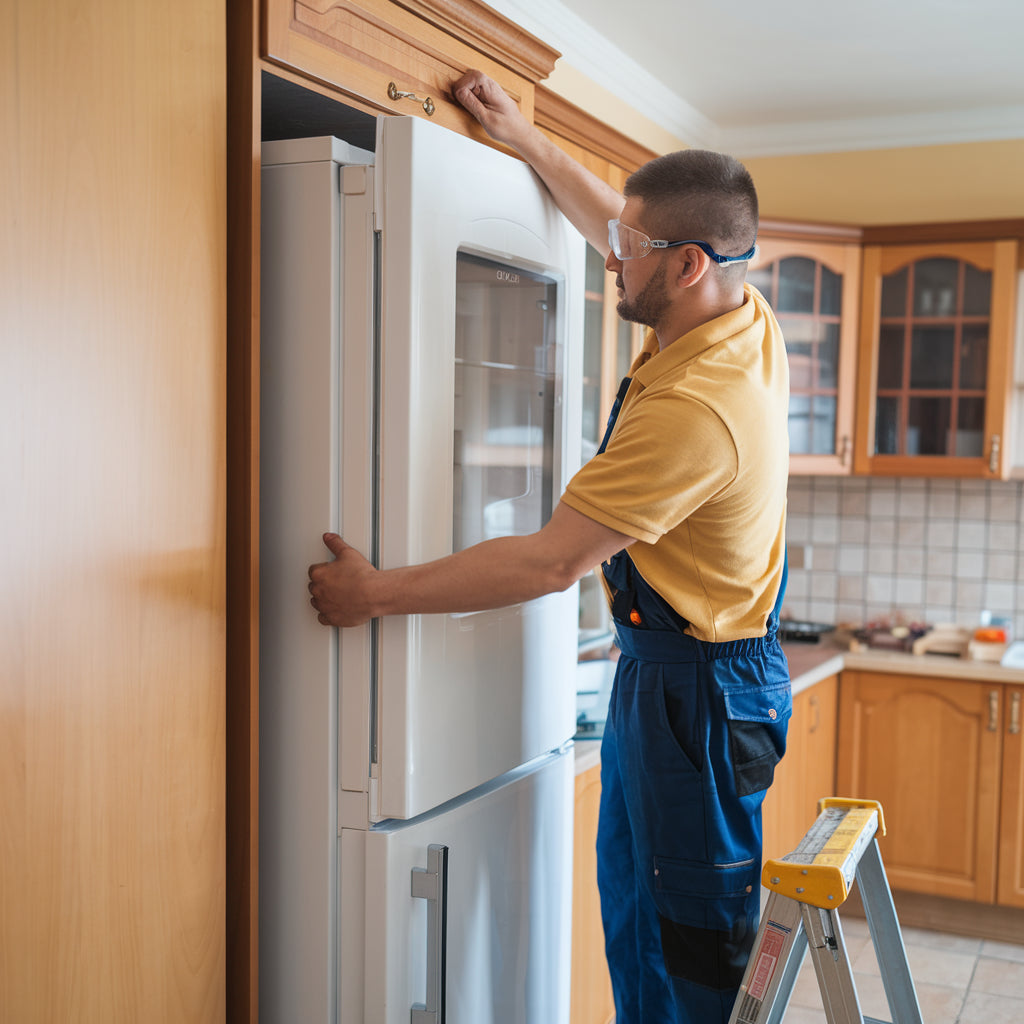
(421, 321)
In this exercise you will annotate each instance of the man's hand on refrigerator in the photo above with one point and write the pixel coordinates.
(340, 589)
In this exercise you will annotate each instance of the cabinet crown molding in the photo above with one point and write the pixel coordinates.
(481, 27)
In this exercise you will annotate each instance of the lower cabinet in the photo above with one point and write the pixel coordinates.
(944, 758)
(807, 772)
(592, 1001)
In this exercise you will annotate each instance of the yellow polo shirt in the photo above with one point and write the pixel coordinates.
(696, 470)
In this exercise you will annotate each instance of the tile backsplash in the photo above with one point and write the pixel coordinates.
(929, 550)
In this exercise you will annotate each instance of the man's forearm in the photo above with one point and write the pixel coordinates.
(492, 574)
(587, 201)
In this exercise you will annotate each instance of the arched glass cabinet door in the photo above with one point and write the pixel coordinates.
(935, 358)
(813, 288)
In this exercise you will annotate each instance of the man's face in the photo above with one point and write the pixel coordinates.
(642, 283)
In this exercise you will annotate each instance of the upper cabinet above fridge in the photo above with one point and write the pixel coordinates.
(402, 56)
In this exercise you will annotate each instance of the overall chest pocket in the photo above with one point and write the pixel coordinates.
(758, 720)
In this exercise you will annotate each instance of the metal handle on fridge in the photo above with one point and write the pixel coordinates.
(431, 884)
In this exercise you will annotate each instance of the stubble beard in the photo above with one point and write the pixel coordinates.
(649, 306)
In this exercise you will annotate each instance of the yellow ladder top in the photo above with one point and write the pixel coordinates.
(821, 870)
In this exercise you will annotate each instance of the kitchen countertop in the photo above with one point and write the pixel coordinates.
(811, 663)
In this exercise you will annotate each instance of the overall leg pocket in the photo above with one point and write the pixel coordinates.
(708, 916)
(758, 718)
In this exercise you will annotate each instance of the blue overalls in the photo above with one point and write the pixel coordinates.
(693, 734)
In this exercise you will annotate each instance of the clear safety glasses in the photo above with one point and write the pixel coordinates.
(629, 244)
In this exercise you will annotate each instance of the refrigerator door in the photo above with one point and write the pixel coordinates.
(481, 321)
(501, 949)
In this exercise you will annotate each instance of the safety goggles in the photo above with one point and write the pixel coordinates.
(629, 244)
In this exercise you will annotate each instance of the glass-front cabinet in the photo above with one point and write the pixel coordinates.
(935, 359)
(813, 288)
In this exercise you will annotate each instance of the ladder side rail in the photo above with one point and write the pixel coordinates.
(832, 965)
(886, 937)
(763, 995)
(784, 992)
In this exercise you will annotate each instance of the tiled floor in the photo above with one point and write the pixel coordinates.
(958, 980)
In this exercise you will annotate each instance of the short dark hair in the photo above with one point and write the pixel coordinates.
(697, 193)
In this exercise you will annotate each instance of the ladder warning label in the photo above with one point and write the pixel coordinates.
(768, 954)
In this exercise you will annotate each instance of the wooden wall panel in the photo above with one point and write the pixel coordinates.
(112, 257)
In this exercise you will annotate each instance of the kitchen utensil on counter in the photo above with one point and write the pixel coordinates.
(798, 631)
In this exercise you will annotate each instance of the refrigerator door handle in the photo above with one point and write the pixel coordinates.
(431, 884)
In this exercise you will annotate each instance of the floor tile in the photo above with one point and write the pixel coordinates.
(941, 940)
(927, 965)
(939, 1003)
(998, 977)
(804, 1015)
(984, 1008)
(1002, 950)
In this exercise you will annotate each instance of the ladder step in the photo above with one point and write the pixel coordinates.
(821, 870)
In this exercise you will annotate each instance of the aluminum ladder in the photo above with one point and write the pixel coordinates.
(806, 888)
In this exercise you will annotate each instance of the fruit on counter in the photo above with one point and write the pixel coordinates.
(990, 635)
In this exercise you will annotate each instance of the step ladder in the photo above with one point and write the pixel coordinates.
(807, 887)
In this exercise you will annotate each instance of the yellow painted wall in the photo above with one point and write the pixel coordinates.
(914, 184)
(971, 181)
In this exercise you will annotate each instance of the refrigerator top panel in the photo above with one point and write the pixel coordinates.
(480, 335)
(312, 150)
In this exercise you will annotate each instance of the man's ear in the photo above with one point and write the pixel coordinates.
(693, 263)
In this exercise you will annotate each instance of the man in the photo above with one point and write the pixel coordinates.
(684, 508)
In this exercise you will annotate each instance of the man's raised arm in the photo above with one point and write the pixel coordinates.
(584, 198)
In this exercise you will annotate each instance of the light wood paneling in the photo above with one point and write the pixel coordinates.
(807, 772)
(112, 255)
(592, 1001)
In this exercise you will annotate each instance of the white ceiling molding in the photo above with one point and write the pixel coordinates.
(601, 61)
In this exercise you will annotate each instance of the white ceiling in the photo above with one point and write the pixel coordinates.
(787, 76)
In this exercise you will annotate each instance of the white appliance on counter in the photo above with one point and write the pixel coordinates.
(420, 391)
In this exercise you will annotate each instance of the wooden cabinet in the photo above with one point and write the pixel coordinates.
(811, 277)
(1010, 886)
(935, 359)
(401, 57)
(806, 773)
(932, 751)
(592, 1001)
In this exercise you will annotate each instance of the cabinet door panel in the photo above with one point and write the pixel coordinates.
(934, 358)
(929, 751)
(1011, 822)
(813, 286)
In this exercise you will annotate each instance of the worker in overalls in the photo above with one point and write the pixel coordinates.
(684, 508)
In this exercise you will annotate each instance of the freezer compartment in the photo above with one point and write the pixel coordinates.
(506, 909)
